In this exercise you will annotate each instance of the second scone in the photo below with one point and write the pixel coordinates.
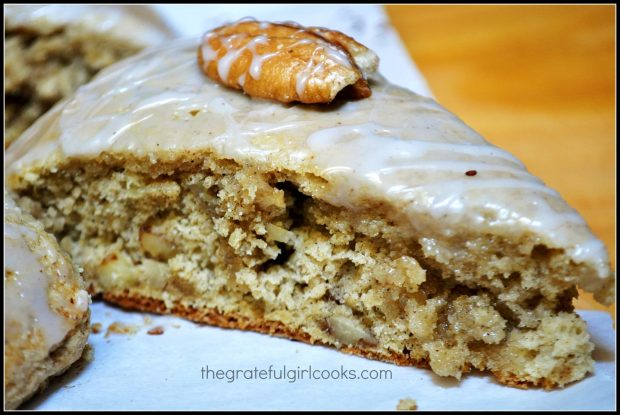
(50, 50)
(46, 321)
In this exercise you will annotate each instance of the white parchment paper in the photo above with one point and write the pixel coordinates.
(161, 372)
(143, 371)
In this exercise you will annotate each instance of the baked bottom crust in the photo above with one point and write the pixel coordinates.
(249, 247)
(34, 376)
(213, 317)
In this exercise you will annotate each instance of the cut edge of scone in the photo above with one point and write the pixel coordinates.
(246, 247)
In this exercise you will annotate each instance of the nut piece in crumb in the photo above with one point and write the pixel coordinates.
(96, 328)
(407, 404)
(156, 330)
(120, 328)
(348, 330)
(155, 245)
(287, 62)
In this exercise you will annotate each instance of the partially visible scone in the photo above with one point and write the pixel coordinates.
(50, 50)
(46, 320)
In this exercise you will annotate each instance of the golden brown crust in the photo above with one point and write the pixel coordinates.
(275, 328)
(233, 321)
(513, 380)
(287, 62)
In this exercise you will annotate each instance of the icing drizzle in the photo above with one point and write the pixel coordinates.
(394, 145)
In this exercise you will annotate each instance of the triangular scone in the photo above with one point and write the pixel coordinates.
(46, 307)
(384, 226)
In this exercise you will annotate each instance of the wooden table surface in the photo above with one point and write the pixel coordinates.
(538, 81)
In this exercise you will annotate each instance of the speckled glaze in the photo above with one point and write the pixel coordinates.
(395, 146)
(36, 276)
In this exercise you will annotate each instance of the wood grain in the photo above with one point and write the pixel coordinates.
(538, 81)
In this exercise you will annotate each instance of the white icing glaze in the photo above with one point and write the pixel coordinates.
(225, 61)
(336, 54)
(241, 80)
(312, 69)
(26, 294)
(301, 80)
(32, 262)
(257, 63)
(138, 25)
(395, 145)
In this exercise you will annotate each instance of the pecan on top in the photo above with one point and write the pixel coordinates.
(287, 62)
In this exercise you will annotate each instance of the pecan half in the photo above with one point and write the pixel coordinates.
(287, 62)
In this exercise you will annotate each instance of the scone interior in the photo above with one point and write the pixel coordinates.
(46, 307)
(244, 247)
(354, 225)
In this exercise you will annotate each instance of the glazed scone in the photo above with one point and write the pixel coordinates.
(50, 50)
(384, 227)
(45, 304)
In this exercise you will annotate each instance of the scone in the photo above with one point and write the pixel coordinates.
(50, 50)
(382, 226)
(45, 305)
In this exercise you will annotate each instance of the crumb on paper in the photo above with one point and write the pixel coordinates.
(88, 355)
(407, 404)
(147, 320)
(96, 328)
(120, 328)
(176, 326)
(156, 331)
